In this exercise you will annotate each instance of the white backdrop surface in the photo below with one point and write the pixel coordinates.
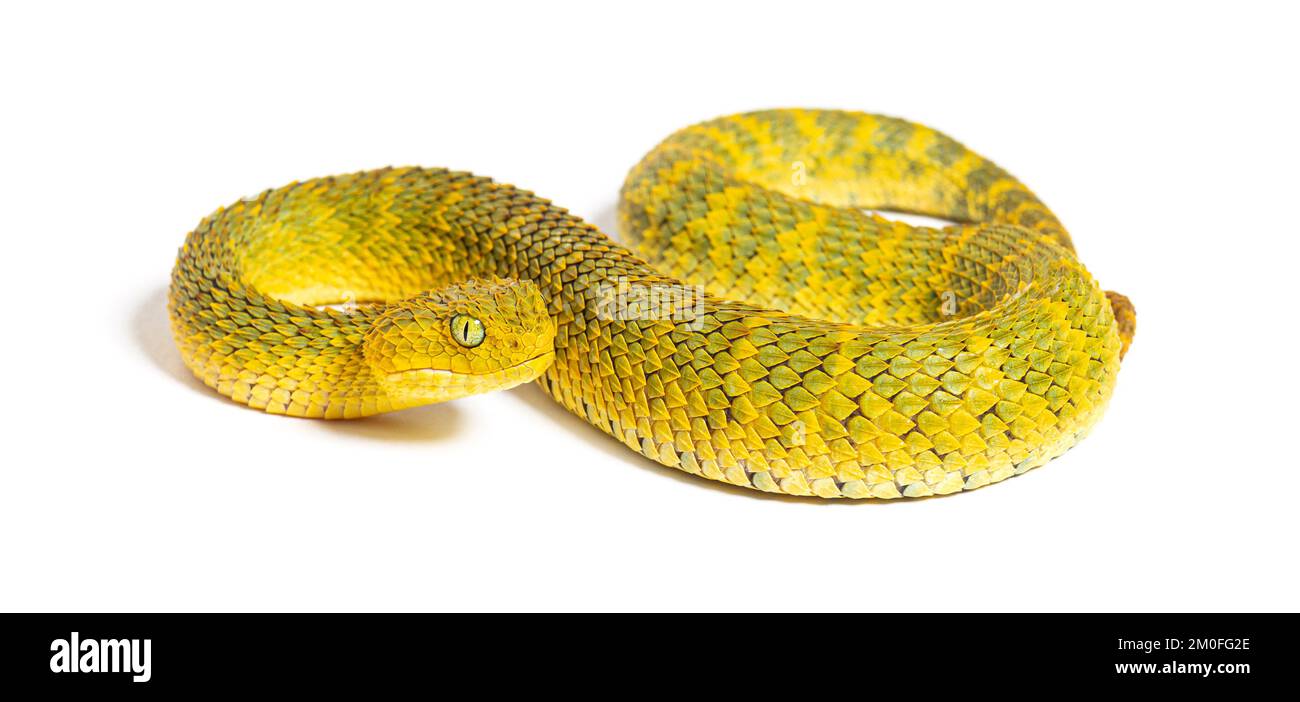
(1163, 135)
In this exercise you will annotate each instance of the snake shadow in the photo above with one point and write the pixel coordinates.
(605, 218)
(151, 331)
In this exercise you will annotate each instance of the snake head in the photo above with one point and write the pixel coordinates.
(459, 340)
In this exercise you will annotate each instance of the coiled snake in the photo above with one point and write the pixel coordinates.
(829, 352)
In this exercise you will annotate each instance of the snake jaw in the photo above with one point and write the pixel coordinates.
(424, 386)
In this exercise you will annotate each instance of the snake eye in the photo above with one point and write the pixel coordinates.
(467, 331)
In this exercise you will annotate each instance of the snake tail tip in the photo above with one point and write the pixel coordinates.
(1125, 319)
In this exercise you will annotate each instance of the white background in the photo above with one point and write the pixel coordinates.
(1164, 136)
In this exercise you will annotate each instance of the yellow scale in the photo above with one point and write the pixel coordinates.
(827, 351)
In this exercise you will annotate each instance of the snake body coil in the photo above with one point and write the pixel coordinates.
(904, 361)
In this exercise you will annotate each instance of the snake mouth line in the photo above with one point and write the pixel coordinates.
(442, 374)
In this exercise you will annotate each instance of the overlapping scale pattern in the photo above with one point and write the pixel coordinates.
(825, 351)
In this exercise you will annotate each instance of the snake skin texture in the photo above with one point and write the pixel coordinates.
(817, 349)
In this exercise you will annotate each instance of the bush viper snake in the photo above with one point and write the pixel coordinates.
(825, 351)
